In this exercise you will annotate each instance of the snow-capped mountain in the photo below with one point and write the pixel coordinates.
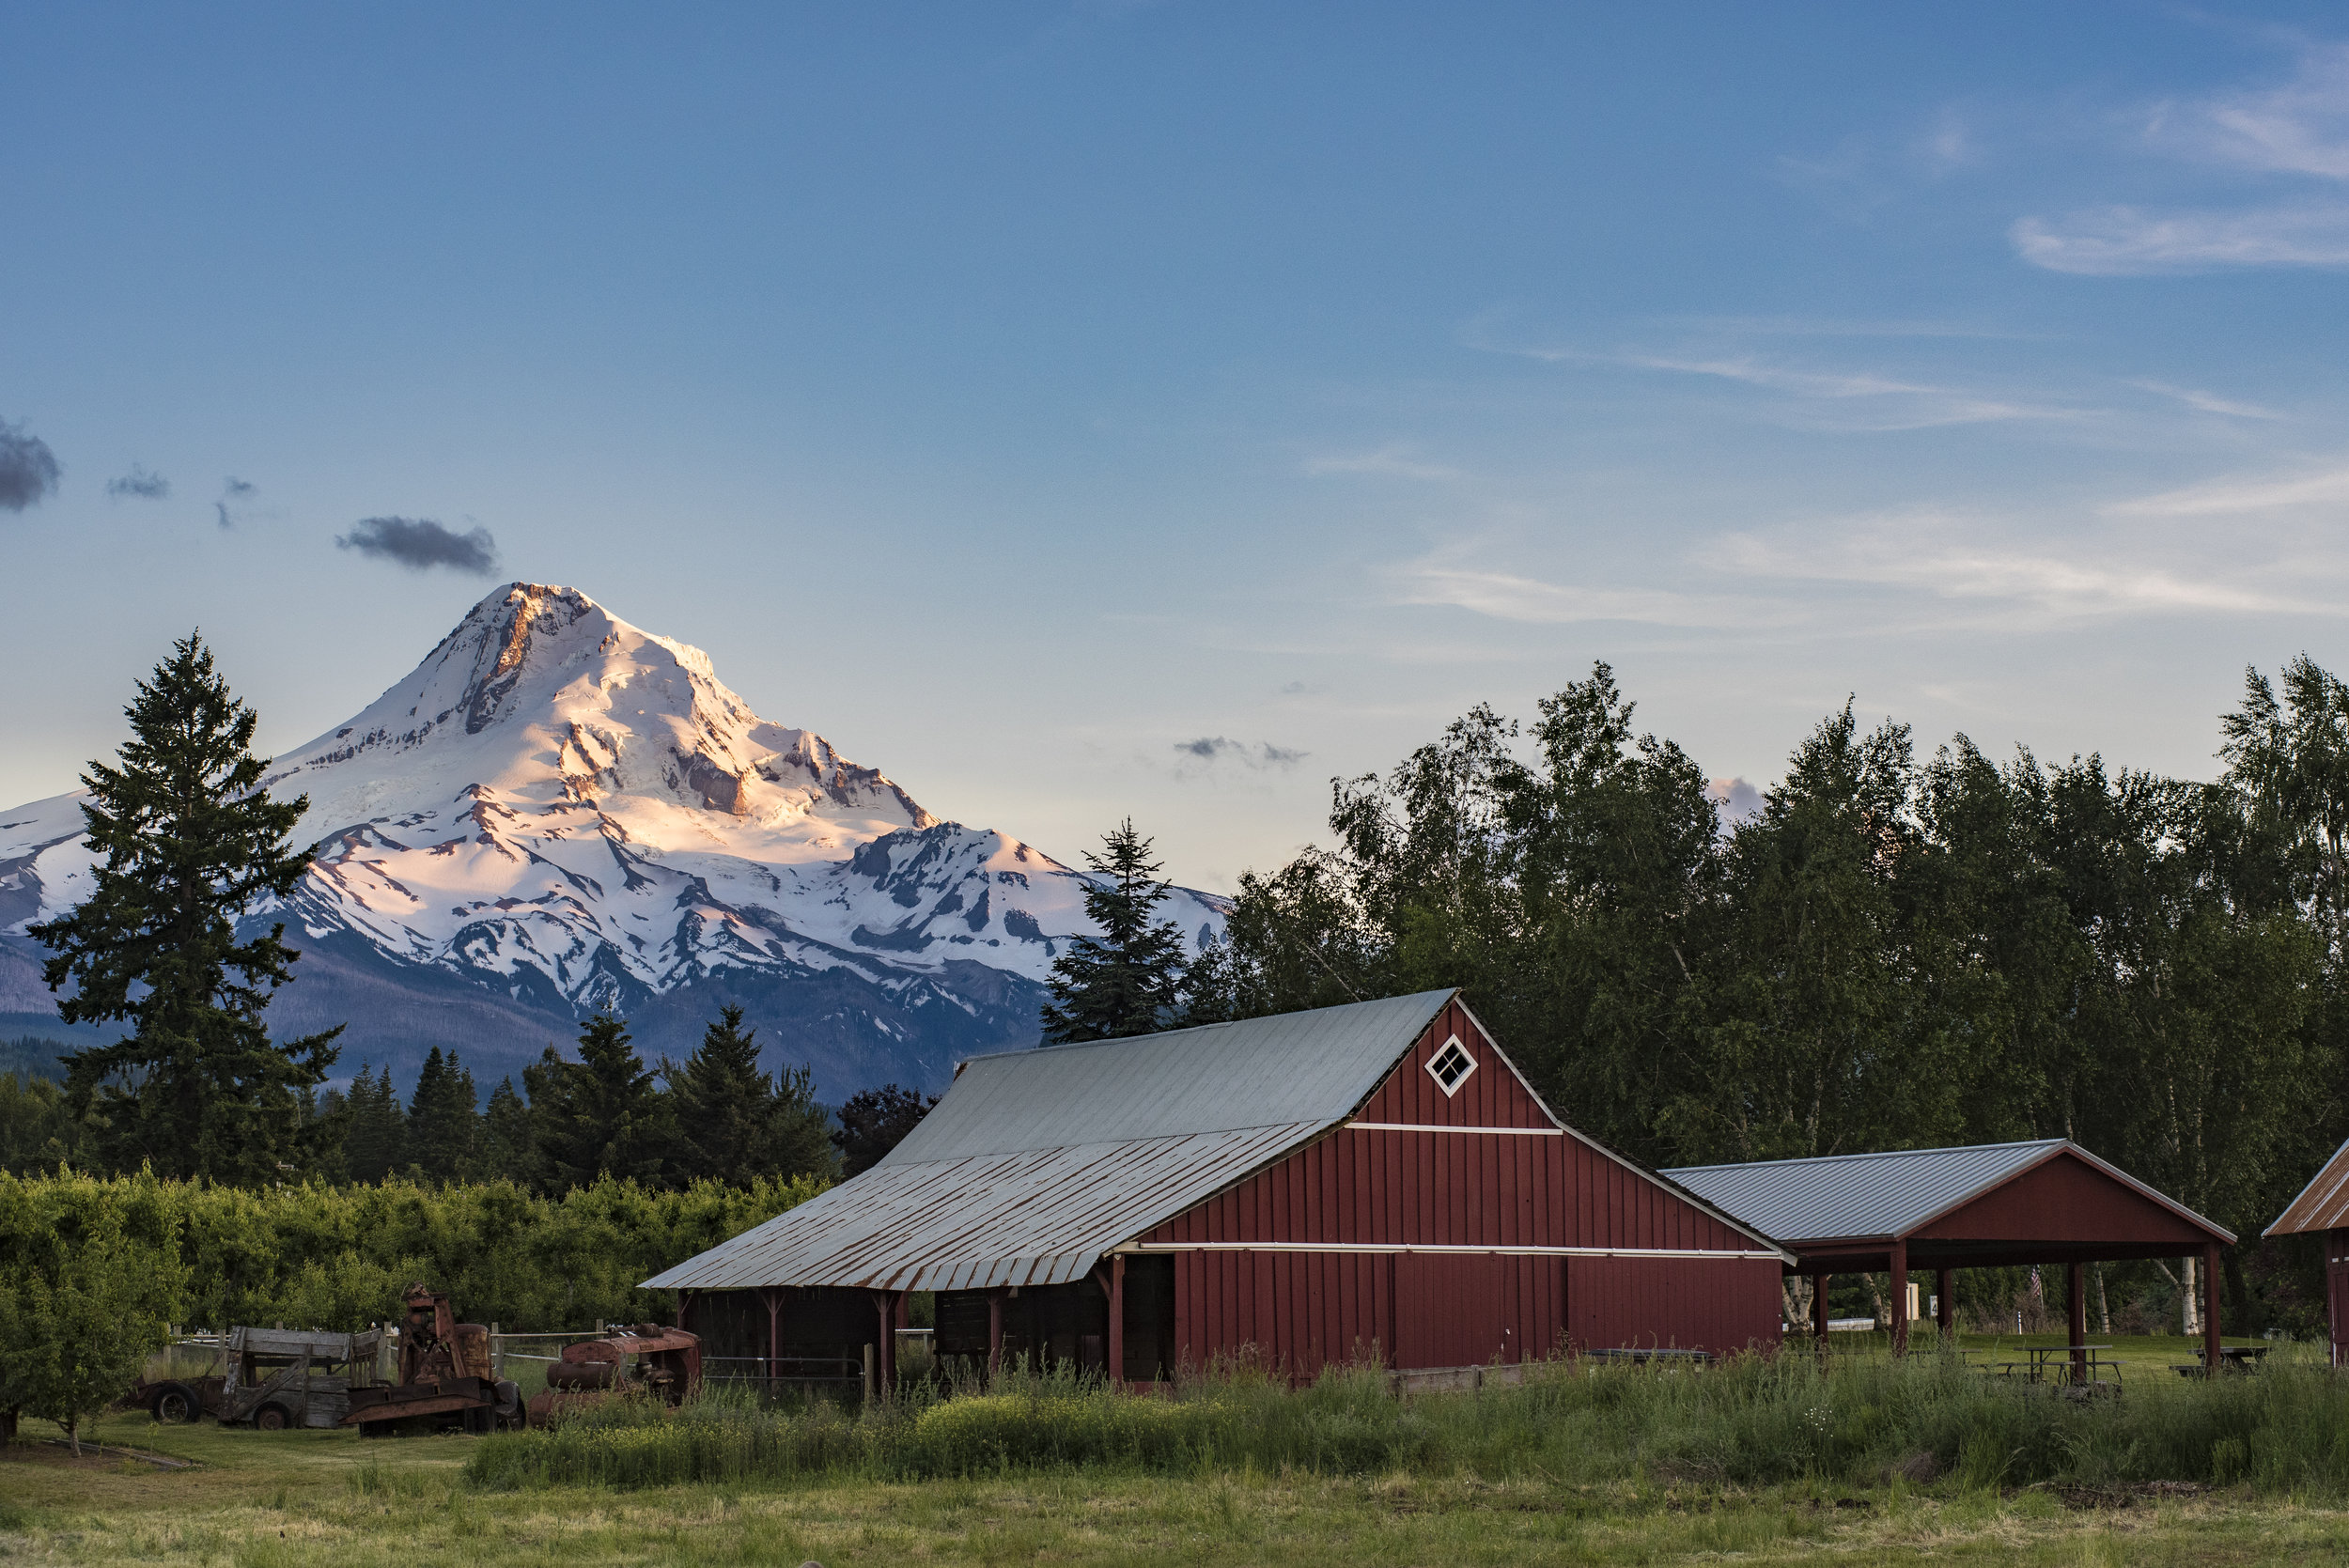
(557, 813)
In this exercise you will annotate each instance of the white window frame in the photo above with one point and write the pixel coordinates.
(1446, 1049)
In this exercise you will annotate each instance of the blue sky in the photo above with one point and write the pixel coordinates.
(1023, 396)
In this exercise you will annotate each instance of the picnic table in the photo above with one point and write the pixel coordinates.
(2067, 1365)
(2231, 1357)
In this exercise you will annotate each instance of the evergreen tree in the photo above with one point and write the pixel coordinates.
(374, 1128)
(735, 1121)
(509, 1144)
(600, 1115)
(875, 1121)
(1128, 980)
(443, 1128)
(190, 842)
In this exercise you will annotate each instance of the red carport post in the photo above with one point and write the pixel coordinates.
(1818, 1312)
(2075, 1310)
(1117, 1320)
(1945, 1304)
(2211, 1359)
(1899, 1298)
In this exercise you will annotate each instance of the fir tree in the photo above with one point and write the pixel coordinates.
(1127, 980)
(735, 1121)
(599, 1115)
(375, 1129)
(190, 841)
(875, 1121)
(444, 1128)
(509, 1145)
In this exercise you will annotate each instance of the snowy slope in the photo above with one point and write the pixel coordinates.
(560, 812)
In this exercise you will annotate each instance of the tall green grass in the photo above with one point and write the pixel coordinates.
(1755, 1420)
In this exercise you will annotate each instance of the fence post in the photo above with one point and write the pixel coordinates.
(868, 1373)
(497, 1352)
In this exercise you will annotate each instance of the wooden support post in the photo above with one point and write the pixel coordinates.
(885, 1373)
(2211, 1360)
(1945, 1304)
(1899, 1298)
(773, 1296)
(994, 1334)
(1818, 1312)
(1117, 1320)
(2076, 1311)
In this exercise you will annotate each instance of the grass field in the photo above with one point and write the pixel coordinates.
(279, 1500)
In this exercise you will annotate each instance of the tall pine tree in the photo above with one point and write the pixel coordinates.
(600, 1115)
(735, 1121)
(374, 1128)
(1128, 980)
(190, 842)
(444, 1128)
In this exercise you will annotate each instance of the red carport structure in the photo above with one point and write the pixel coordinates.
(2323, 1210)
(1989, 1205)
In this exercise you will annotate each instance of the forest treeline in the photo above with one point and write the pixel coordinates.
(1894, 950)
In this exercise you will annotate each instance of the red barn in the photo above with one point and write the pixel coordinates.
(1370, 1181)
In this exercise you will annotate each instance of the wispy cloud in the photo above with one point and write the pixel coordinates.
(140, 482)
(422, 543)
(28, 469)
(2120, 241)
(1393, 462)
(232, 488)
(1215, 750)
(1895, 404)
(2207, 402)
(2300, 127)
(2229, 497)
(1506, 596)
(1956, 558)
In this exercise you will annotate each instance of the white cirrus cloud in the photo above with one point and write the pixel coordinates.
(1441, 578)
(1391, 463)
(2124, 242)
(2233, 497)
(2080, 577)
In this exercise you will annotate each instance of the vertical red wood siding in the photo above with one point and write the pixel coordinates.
(1357, 1185)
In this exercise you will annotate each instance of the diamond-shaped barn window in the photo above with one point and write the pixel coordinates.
(1450, 1067)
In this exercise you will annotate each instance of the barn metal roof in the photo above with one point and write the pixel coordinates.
(1879, 1196)
(1036, 1162)
(2323, 1205)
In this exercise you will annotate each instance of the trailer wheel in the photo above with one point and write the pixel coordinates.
(175, 1404)
(271, 1417)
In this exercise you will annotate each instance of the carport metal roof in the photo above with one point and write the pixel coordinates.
(1953, 1206)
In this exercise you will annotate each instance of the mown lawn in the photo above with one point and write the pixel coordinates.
(280, 1500)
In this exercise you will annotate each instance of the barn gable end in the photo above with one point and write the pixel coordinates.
(1450, 1229)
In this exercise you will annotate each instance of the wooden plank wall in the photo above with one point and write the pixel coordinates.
(1364, 1187)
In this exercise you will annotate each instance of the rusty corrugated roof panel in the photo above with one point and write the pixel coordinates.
(2323, 1205)
(1025, 1217)
(1868, 1197)
(1036, 1162)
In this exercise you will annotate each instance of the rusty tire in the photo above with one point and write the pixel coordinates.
(175, 1404)
(271, 1418)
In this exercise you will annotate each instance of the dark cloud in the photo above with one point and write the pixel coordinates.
(418, 543)
(140, 482)
(1216, 748)
(232, 489)
(28, 469)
